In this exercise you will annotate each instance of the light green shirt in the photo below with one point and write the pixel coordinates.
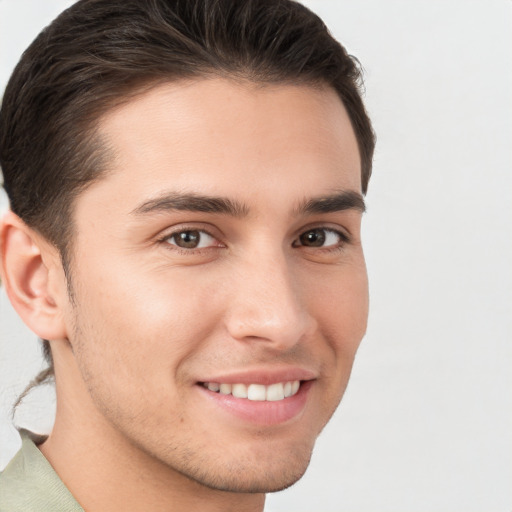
(30, 484)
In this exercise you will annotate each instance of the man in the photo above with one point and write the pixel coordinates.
(186, 182)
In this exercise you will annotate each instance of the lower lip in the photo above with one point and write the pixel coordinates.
(262, 412)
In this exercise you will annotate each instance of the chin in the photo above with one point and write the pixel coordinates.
(256, 475)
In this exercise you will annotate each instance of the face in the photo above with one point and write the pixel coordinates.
(220, 290)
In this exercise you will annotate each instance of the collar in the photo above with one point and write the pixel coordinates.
(30, 483)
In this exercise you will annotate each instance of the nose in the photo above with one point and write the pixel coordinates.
(267, 303)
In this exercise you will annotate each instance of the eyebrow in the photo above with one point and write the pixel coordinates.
(344, 200)
(192, 203)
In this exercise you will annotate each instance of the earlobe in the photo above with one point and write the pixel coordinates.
(26, 275)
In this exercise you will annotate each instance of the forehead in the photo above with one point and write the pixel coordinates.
(230, 138)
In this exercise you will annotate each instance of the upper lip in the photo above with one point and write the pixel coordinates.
(264, 376)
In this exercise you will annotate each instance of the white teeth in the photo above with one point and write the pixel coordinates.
(239, 391)
(257, 392)
(225, 389)
(275, 392)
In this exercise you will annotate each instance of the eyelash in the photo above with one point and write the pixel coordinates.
(189, 251)
(343, 240)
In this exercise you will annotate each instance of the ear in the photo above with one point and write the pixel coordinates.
(33, 277)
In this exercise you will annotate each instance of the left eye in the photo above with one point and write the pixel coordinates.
(320, 237)
(191, 239)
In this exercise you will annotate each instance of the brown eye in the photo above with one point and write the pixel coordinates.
(191, 239)
(313, 238)
(321, 237)
(187, 239)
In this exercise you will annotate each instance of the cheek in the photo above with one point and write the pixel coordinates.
(133, 337)
(140, 325)
(342, 311)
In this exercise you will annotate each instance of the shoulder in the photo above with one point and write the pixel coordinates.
(29, 482)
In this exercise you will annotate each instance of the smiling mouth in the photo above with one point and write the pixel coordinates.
(256, 392)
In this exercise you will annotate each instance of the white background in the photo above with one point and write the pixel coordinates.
(426, 424)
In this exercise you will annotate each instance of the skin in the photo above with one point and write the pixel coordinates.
(149, 320)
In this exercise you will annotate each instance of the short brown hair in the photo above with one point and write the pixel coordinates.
(98, 53)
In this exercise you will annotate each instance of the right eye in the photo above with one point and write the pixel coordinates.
(191, 239)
